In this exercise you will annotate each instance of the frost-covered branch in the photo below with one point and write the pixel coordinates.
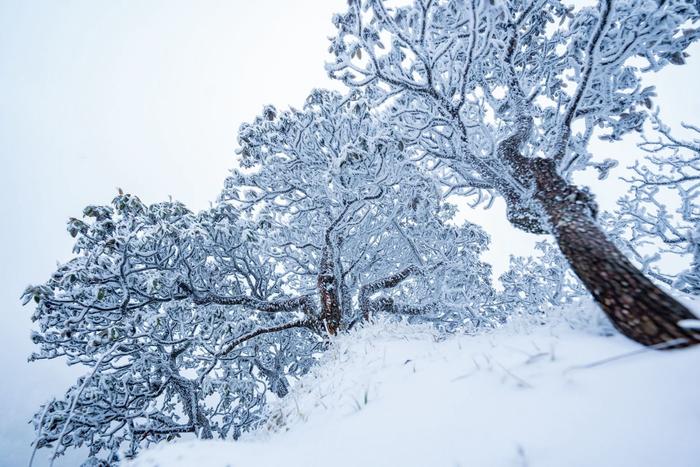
(658, 219)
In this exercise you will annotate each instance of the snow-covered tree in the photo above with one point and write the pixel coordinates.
(347, 214)
(659, 218)
(186, 321)
(502, 97)
(182, 325)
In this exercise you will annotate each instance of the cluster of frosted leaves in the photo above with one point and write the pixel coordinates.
(334, 175)
(153, 356)
(533, 284)
(657, 222)
(456, 76)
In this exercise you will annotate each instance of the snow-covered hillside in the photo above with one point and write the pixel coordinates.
(525, 395)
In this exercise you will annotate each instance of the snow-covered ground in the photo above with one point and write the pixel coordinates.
(525, 395)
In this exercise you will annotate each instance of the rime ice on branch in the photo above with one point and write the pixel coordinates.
(662, 208)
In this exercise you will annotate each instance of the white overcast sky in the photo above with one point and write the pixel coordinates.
(148, 95)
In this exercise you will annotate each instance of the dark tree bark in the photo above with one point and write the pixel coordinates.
(636, 307)
(368, 306)
(328, 286)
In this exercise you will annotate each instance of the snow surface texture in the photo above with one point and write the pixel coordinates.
(528, 394)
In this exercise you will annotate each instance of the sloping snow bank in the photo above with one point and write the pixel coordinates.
(525, 395)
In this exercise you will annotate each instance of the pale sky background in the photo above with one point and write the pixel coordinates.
(148, 95)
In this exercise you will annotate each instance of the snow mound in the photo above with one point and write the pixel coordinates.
(537, 396)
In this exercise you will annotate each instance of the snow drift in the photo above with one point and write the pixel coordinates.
(392, 394)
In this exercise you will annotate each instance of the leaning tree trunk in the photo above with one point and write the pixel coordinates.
(636, 307)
